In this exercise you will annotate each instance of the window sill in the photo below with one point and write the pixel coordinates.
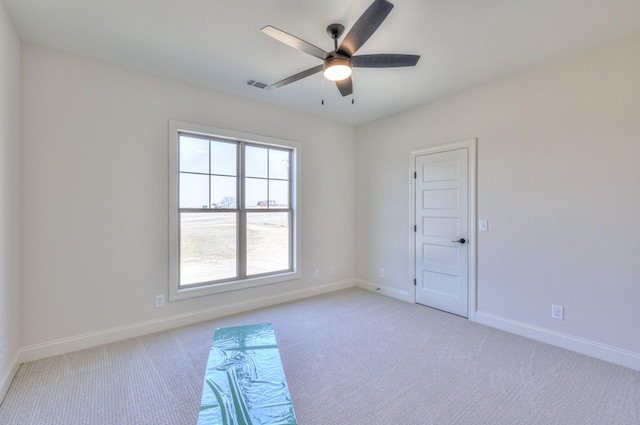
(199, 291)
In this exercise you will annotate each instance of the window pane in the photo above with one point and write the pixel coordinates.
(268, 242)
(256, 195)
(224, 158)
(278, 164)
(223, 192)
(194, 191)
(194, 155)
(279, 193)
(207, 247)
(256, 161)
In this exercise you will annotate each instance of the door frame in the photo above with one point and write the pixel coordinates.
(471, 145)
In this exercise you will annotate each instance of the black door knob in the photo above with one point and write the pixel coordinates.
(461, 240)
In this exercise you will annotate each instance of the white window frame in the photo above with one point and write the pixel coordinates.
(177, 293)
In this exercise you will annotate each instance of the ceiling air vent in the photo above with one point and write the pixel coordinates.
(257, 84)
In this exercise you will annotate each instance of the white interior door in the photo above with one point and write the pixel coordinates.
(442, 230)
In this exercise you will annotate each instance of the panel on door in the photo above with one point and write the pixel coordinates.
(441, 202)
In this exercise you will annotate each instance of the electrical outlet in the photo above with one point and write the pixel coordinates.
(381, 272)
(332, 270)
(159, 301)
(316, 273)
(557, 312)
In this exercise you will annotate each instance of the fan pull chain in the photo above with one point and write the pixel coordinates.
(322, 89)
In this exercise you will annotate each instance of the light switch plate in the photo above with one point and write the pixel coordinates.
(483, 225)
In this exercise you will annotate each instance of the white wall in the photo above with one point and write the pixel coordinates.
(95, 199)
(558, 175)
(9, 201)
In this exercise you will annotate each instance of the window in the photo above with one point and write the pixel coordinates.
(233, 210)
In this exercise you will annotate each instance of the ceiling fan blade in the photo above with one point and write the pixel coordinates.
(345, 86)
(384, 61)
(364, 27)
(295, 42)
(298, 76)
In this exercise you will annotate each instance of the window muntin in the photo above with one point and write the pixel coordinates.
(208, 173)
(267, 177)
(234, 219)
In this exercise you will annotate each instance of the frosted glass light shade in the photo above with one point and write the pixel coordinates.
(337, 69)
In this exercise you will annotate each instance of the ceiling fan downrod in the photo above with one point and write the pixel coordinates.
(335, 31)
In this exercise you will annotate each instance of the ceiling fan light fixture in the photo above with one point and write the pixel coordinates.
(337, 69)
(336, 65)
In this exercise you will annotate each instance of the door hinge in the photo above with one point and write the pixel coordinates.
(415, 282)
(415, 228)
(415, 174)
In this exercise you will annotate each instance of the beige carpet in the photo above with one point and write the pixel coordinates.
(351, 357)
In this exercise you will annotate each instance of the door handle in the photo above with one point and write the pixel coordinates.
(461, 240)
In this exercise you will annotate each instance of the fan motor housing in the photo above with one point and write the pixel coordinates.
(336, 60)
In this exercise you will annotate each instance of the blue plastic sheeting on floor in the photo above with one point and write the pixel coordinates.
(244, 383)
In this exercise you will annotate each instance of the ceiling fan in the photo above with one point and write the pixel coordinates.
(337, 64)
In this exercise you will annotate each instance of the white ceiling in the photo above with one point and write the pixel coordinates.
(218, 43)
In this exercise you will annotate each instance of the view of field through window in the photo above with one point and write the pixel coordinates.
(210, 216)
(208, 245)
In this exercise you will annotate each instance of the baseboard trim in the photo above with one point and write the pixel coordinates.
(7, 379)
(92, 339)
(385, 290)
(579, 345)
